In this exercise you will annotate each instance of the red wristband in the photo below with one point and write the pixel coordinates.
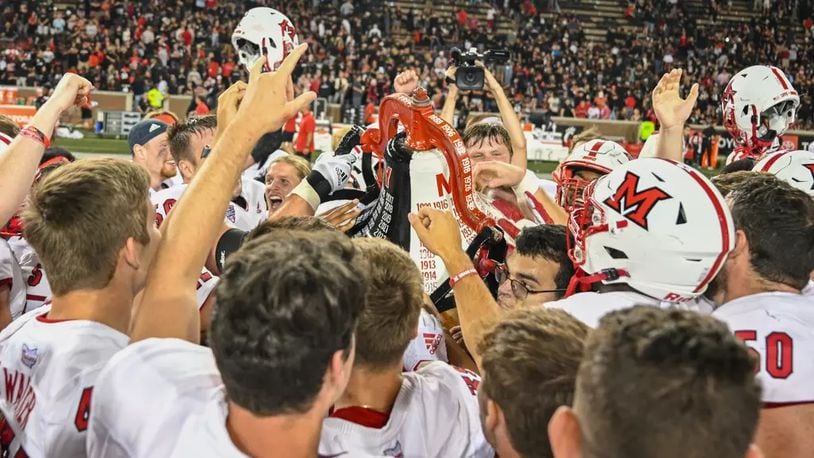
(456, 278)
(36, 135)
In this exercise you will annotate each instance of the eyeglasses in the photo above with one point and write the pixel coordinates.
(205, 151)
(519, 289)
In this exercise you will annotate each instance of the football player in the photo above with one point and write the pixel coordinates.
(652, 230)
(149, 148)
(759, 104)
(287, 308)
(53, 355)
(763, 305)
(432, 411)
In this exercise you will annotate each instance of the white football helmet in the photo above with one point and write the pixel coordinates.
(264, 32)
(599, 156)
(656, 225)
(794, 167)
(758, 105)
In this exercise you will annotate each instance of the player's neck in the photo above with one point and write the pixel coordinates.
(376, 390)
(111, 306)
(753, 284)
(280, 435)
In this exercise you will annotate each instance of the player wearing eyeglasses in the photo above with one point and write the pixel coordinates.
(537, 271)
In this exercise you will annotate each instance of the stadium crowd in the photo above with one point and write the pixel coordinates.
(411, 294)
(182, 47)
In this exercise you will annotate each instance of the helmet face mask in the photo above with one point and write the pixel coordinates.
(267, 33)
(759, 104)
(657, 226)
(596, 157)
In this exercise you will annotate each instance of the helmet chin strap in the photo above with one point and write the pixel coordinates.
(584, 281)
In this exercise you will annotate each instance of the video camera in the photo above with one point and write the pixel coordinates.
(470, 77)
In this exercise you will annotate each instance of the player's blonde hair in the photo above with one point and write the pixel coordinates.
(394, 299)
(81, 215)
(301, 165)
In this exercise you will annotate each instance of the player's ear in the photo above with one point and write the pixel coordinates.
(741, 244)
(492, 417)
(186, 168)
(130, 253)
(564, 433)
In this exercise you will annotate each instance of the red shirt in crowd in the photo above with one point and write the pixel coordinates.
(186, 36)
(630, 102)
(213, 68)
(290, 125)
(227, 69)
(308, 125)
(201, 109)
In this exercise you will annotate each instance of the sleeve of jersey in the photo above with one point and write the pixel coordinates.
(143, 395)
(465, 435)
(428, 345)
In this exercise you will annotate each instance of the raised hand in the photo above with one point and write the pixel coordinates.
(406, 82)
(265, 107)
(71, 90)
(439, 231)
(228, 104)
(671, 110)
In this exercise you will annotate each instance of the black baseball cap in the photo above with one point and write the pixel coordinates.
(145, 131)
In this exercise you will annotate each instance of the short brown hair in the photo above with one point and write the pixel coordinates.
(180, 134)
(394, 299)
(529, 362)
(293, 223)
(80, 216)
(8, 126)
(301, 165)
(478, 133)
(728, 182)
(667, 383)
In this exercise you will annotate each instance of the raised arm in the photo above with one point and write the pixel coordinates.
(448, 110)
(19, 163)
(672, 112)
(477, 309)
(510, 120)
(168, 308)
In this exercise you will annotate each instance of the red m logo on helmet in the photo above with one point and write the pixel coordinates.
(633, 204)
(810, 168)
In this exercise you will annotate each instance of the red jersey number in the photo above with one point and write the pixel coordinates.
(83, 411)
(779, 359)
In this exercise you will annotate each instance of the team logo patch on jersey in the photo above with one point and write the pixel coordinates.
(230, 214)
(29, 356)
(432, 341)
(394, 451)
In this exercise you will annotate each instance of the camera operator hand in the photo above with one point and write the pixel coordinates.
(448, 110)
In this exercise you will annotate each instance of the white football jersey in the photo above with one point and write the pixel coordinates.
(809, 289)
(171, 382)
(590, 307)
(38, 290)
(50, 370)
(700, 304)
(779, 328)
(11, 275)
(166, 199)
(429, 344)
(435, 414)
(254, 193)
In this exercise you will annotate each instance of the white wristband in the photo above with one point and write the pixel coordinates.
(530, 183)
(307, 192)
